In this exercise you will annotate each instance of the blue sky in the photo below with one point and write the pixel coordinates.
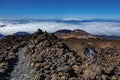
(60, 8)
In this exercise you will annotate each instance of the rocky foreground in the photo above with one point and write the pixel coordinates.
(43, 56)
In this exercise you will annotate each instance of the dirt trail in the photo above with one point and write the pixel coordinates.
(22, 70)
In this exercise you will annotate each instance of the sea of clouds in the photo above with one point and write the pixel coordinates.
(96, 28)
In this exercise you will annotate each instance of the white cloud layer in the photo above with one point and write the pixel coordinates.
(96, 28)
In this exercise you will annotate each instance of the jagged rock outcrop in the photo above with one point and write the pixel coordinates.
(51, 59)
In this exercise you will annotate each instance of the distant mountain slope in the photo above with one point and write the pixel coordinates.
(1, 36)
(77, 33)
(109, 37)
(20, 33)
(63, 31)
(2, 25)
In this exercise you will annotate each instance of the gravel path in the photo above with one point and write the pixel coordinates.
(22, 70)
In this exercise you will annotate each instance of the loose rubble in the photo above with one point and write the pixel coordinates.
(100, 58)
(8, 58)
(51, 59)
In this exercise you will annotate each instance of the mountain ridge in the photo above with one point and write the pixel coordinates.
(77, 33)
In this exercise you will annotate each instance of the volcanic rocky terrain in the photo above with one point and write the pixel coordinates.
(43, 56)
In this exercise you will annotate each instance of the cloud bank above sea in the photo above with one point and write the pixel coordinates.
(93, 27)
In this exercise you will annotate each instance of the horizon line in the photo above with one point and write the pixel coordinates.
(60, 18)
